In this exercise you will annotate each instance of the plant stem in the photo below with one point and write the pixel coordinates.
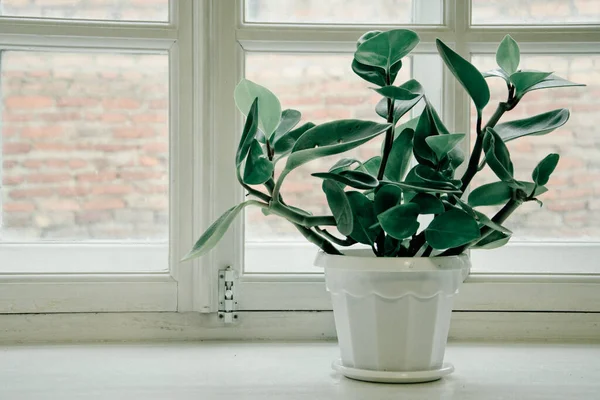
(340, 242)
(389, 134)
(475, 156)
(297, 218)
(314, 238)
(256, 193)
(309, 234)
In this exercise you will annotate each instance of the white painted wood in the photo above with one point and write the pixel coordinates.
(81, 258)
(291, 371)
(152, 326)
(80, 293)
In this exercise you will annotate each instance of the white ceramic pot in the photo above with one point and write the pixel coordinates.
(392, 314)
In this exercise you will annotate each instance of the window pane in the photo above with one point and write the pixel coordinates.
(116, 10)
(571, 209)
(498, 12)
(84, 146)
(345, 11)
(323, 87)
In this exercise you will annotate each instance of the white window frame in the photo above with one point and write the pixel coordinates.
(94, 287)
(510, 291)
(205, 41)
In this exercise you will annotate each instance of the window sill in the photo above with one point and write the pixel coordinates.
(213, 370)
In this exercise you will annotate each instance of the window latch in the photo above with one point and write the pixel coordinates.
(227, 298)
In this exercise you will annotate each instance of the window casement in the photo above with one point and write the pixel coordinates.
(211, 45)
(130, 216)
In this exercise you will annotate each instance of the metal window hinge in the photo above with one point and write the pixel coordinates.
(227, 299)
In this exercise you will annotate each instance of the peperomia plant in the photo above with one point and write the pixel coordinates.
(378, 202)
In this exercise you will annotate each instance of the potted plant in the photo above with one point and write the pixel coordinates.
(391, 275)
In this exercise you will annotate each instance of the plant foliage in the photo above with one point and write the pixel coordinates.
(381, 202)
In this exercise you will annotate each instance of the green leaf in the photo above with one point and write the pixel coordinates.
(428, 175)
(387, 48)
(508, 55)
(443, 144)
(425, 128)
(284, 144)
(375, 75)
(371, 166)
(248, 134)
(484, 220)
(428, 203)
(541, 173)
(540, 124)
(364, 218)
(492, 241)
(410, 124)
(355, 179)
(496, 73)
(451, 229)
(528, 187)
(553, 81)
(258, 168)
(524, 80)
(215, 232)
(331, 138)
(468, 76)
(497, 156)
(289, 119)
(269, 112)
(343, 164)
(339, 205)
(420, 187)
(401, 107)
(400, 155)
(491, 194)
(400, 221)
(366, 36)
(396, 93)
(387, 197)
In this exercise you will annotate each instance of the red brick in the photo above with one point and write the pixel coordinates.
(15, 148)
(149, 118)
(584, 107)
(158, 147)
(59, 116)
(77, 163)
(32, 164)
(113, 117)
(41, 132)
(123, 103)
(140, 175)
(585, 178)
(133, 133)
(104, 204)
(48, 178)
(111, 148)
(12, 117)
(77, 102)
(154, 189)
(53, 146)
(10, 131)
(97, 177)
(12, 180)
(18, 207)
(149, 161)
(112, 189)
(76, 191)
(28, 102)
(567, 163)
(29, 193)
(60, 205)
(345, 100)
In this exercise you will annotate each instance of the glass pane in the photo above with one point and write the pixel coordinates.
(115, 10)
(499, 12)
(571, 209)
(84, 146)
(345, 11)
(323, 87)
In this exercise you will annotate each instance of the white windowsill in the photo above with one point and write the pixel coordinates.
(270, 370)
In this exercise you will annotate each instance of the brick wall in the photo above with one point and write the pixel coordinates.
(84, 146)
